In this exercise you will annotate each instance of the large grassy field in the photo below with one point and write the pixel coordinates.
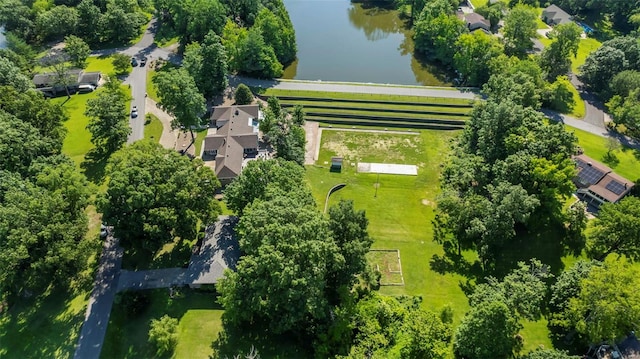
(624, 161)
(401, 210)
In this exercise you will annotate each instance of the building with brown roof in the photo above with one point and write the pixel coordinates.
(597, 183)
(475, 21)
(235, 137)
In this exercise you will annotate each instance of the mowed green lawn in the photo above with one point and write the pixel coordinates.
(152, 128)
(586, 47)
(78, 140)
(624, 161)
(199, 324)
(401, 211)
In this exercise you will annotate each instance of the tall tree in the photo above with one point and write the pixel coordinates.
(180, 97)
(259, 179)
(608, 306)
(473, 55)
(616, 230)
(31, 107)
(282, 279)
(21, 144)
(519, 28)
(57, 22)
(77, 51)
(154, 195)
(436, 36)
(256, 58)
(601, 66)
(10, 75)
(349, 229)
(42, 228)
(278, 33)
(207, 64)
(555, 59)
(487, 331)
(109, 118)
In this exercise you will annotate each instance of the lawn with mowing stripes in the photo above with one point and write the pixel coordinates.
(391, 116)
(380, 108)
(362, 96)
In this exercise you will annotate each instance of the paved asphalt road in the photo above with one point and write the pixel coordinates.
(355, 88)
(105, 287)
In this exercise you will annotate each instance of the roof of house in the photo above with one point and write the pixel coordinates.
(237, 131)
(476, 19)
(74, 77)
(219, 251)
(600, 179)
(557, 14)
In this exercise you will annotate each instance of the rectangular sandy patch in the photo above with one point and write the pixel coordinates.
(387, 168)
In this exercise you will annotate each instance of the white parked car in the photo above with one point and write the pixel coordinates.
(134, 112)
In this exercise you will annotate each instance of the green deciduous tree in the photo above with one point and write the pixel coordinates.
(10, 75)
(260, 179)
(519, 87)
(31, 107)
(154, 195)
(163, 334)
(487, 331)
(555, 59)
(436, 36)
(523, 290)
(42, 228)
(121, 63)
(233, 37)
(519, 28)
(207, 64)
(282, 279)
(57, 22)
(623, 83)
(549, 354)
(77, 50)
(616, 230)
(349, 229)
(109, 118)
(388, 327)
(626, 111)
(22, 144)
(608, 305)
(278, 33)
(601, 66)
(179, 95)
(243, 95)
(567, 286)
(473, 55)
(256, 57)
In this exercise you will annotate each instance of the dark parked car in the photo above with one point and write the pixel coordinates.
(134, 62)
(143, 61)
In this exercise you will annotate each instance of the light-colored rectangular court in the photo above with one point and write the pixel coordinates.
(386, 168)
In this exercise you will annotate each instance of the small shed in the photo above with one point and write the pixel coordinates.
(336, 164)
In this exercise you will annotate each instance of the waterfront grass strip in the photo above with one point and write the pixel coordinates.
(386, 108)
(362, 96)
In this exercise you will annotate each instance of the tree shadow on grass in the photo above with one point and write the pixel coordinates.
(127, 332)
(240, 341)
(42, 327)
(611, 159)
(94, 165)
